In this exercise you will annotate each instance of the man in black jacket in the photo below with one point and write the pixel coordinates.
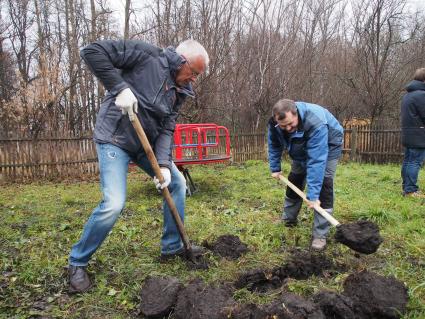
(151, 83)
(413, 133)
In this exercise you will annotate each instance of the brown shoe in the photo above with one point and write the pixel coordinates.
(415, 194)
(79, 280)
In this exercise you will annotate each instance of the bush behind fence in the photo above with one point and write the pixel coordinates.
(55, 155)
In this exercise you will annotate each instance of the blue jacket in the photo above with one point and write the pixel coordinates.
(318, 139)
(149, 71)
(413, 115)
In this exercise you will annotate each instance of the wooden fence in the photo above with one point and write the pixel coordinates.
(373, 144)
(52, 155)
(65, 155)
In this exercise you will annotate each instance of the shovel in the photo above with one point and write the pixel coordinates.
(361, 236)
(165, 192)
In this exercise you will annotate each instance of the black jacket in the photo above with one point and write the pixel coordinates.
(149, 71)
(413, 115)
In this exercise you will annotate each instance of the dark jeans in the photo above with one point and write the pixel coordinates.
(413, 160)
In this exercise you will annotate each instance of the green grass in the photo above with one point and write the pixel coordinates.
(41, 221)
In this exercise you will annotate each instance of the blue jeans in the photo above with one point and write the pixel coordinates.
(113, 166)
(412, 162)
(292, 204)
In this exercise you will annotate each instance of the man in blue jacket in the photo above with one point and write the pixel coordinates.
(413, 133)
(151, 83)
(313, 138)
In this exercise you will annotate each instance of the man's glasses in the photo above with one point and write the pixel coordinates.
(194, 73)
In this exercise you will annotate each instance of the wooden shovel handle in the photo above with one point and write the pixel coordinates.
(157, 171)
(319, 209)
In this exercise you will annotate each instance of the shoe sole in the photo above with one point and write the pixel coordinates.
(72, 290)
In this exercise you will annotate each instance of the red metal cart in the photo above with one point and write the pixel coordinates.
(203, 143)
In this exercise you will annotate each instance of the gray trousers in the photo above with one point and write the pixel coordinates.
(292, 203)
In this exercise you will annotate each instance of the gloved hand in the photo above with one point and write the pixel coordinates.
(127, 102)
(312, 203)
(276, 174)
(167, 178)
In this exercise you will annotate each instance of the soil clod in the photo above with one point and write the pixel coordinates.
(200, 301)
(362, 236)
(292, 306)
(335, 305)
(158, 296)
(228, 246)
(247, 311)
(301, 265)
(375, 296)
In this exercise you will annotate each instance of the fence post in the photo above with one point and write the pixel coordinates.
(353, 144)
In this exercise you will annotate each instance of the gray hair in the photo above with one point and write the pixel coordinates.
(192, 49)
(419, 75)
(282, 107)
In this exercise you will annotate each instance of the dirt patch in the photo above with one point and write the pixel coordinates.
(375, 296)
(198, 262)
(158, 296)
(301, 265)
(200, 301)
(334, 305)
(228, 246)
(362, 236)
(259, 280)
(292, 306)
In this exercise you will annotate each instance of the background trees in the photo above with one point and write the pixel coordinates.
(352, 56)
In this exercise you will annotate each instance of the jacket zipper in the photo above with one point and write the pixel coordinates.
(157, 93)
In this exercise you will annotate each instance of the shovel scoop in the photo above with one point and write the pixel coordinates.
(362, 236)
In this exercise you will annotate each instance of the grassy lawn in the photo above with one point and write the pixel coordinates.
(41, 221)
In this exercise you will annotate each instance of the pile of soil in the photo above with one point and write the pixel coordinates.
(228, 246)
(200, 301)
(292, 306)
(158, 296)
(301, 265)
(334, 305)
(366, 295)
(362, 236)
(375, 296)
(247, 311)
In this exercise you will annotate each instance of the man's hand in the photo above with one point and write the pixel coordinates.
(127, 102)
(167, 178)
(313, 203)
(276, 175)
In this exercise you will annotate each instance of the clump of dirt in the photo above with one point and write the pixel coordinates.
(375, 296)
(228, 246)
(301, 265)
(259, 280)
(334, 305)
(197, 262)
(200, 301)
(247, 311)
(292, 306)
(158, 296)
(362, 236)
